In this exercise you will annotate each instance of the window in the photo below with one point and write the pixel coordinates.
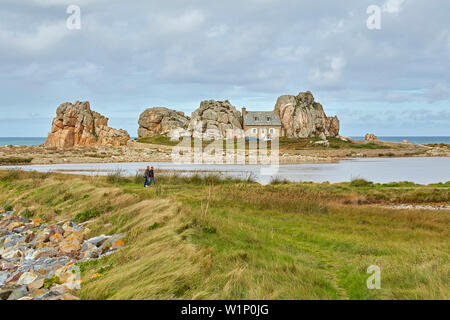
(263, 131)
(268, 119)
(271, 130)
(256, 118)
(254, 130)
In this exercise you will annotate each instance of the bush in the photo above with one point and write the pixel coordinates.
(10, 175)
(48, 283)
(86, 215)
(138, 178)
(361, 183)
(27, 214)
(115, 176)
(277, 180)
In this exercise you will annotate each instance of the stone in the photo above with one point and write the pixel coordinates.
(371, 137)
(5, 293)
(302, 117)
(37, 284)
(7, 266)
(56, 229)
(39, 253)
(77, 125)
(215, 120)
(26, 278)
(18, 293)
(324, 143)
(3, 276)
(97, 241)
(71, 245)
(160, 121)
(113, 243)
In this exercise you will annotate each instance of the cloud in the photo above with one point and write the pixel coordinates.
(177, 53)
(330, 73)
(438, 92)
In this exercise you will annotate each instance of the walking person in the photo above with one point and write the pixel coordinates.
(152, 176)
(147, 177)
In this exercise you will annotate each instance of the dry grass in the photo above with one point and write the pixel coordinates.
(238, 240)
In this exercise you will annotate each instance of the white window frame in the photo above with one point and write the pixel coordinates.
(254, 131)
(263, 131)
(272, 131)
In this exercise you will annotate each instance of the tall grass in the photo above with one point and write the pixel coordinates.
(211, 239)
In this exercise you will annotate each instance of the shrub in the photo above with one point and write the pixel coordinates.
(361, 183)
(48, 283)
(27, 213)
(86, 215)
(154, 226)
(115, 176)
(277, 180)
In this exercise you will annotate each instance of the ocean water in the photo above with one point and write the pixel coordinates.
(415, 140)
(21, 141)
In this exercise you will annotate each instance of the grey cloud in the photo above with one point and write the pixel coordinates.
(177, 53)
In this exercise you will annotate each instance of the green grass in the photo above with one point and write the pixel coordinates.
(285, 143)
(335, 143)
(15, 160)
(162, 140)
(212, 238)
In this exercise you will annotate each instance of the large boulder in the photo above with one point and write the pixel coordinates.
(302, 117)
(216, 120)
(371, 137)
(160, 121)
(77, 125)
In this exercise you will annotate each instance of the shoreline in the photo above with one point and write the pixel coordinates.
(145, 152)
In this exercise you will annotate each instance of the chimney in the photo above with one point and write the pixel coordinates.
(244, 111)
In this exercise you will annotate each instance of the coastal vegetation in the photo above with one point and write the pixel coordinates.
(14, 160)
(204, 237)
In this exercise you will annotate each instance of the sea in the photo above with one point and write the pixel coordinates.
(35, 141)
(22, 141)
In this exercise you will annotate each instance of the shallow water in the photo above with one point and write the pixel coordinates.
(422, 170)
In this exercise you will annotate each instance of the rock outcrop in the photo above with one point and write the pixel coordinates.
(38, 261)
(302, 117)
(160, 121)
(77, 125)
(216, 120)
(371, 137)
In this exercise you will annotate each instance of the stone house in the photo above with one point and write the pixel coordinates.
(261, 124)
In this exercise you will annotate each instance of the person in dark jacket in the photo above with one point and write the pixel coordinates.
(147, 177)
(152, 176)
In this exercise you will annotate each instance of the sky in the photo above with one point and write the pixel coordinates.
(131, 55)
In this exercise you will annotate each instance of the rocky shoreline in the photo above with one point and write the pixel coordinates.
(143, 152)
(38, 261)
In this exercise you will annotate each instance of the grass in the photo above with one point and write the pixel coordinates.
(162, 140)
(285, 143)
(335, 143)
(212, 238)
(15, 160)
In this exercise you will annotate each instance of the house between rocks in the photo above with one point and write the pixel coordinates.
(261, 124)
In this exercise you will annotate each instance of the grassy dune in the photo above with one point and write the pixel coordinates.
(207, 238)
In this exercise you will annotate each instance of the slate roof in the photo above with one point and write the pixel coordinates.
(261, 118)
